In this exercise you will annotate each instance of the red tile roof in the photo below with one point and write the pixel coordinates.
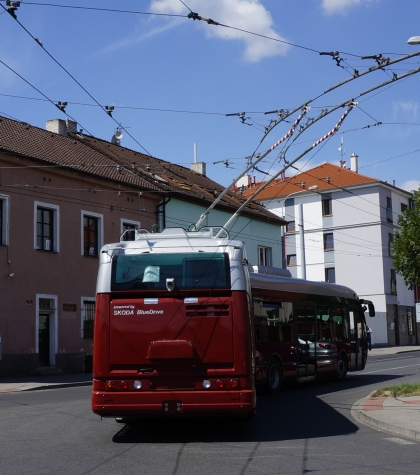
(95, 157)
(325, 177)
(22, 139)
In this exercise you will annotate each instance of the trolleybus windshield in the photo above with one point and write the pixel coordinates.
(186, 271)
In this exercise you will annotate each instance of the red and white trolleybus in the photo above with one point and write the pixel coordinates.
(184, 325)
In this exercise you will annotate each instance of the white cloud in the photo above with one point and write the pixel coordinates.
(406, 111)
(410, 185)
(247, 15)
(21, 65)
(134, 38)
(341, 6)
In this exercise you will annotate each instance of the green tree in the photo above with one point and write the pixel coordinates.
(406, 246)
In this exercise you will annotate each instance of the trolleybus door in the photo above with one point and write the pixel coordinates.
(357, 339)
(306, 336)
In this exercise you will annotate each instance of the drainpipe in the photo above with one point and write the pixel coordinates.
(302, 242)
(161, 213)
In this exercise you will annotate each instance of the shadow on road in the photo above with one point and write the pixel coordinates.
(298, 412)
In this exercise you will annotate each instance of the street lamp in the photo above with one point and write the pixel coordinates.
(414, 40)
(314, 187)
(301, 229)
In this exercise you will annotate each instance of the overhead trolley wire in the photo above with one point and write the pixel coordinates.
(36, 89)
(112, 10)
(75, 80)
(194, 16)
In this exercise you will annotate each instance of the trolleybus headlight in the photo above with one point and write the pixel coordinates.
(220, 384)
(124, 384)
(206, 384)
(137, 384)
(111, 385)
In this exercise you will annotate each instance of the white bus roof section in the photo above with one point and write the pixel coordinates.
(177, 240)
(300, 286)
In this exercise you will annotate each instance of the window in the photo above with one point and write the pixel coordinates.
(180, 270)
(46, 236)
(127, 229)
(44, 229)
(88, 317)
(91, 234)
(389, 217)
(4, 209)
(330, 275)
(291, 227)
(273, 321)
(404, 207)
(291, 260)
(328, 242)
(326, 207)
(390, 242)
(332, 323)
(410, 324)
(393, 282)
(264, 256)
(1, 221)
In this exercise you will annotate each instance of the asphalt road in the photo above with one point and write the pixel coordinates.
(306, 428)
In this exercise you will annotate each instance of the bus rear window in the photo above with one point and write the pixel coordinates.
(193, 270)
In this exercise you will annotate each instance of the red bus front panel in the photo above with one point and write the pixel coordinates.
(153, 356)
(135, 327)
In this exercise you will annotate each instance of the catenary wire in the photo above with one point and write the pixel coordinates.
(77, 82)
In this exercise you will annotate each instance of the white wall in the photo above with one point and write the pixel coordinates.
(252, 232)
(361, 254)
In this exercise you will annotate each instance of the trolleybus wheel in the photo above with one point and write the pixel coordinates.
(341, 368)
(274, 376)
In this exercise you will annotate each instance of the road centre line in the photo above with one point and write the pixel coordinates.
(372, 359)
(390, 369)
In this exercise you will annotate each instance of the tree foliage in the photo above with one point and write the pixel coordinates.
(406, 246)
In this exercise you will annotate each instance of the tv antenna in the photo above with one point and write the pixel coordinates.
(342, 151)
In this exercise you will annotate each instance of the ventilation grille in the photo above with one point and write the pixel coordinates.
(207, 310)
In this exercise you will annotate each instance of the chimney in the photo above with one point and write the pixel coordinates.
(354, 163)
(198, 167)
(60, 126)
(244, 181)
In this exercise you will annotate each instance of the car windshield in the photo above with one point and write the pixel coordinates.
(188, 270)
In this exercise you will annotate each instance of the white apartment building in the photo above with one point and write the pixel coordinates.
(340, 229)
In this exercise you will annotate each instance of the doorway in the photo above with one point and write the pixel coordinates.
(306, 345)
(396, 326)
(44, 339)
(46, 329)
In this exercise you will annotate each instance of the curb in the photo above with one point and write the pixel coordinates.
(361, 416)
(41, 386)
(59, 386)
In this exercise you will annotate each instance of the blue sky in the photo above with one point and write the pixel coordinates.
(172, 80)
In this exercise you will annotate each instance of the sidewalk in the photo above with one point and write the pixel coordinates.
(401, 415)
(30, 383)
(390, 350)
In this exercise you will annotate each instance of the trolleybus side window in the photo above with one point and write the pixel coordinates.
(273, 321)
(332, 323)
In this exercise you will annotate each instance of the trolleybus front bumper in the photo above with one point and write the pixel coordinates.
(128, 404)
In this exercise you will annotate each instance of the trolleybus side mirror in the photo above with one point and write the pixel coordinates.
(370, 307)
